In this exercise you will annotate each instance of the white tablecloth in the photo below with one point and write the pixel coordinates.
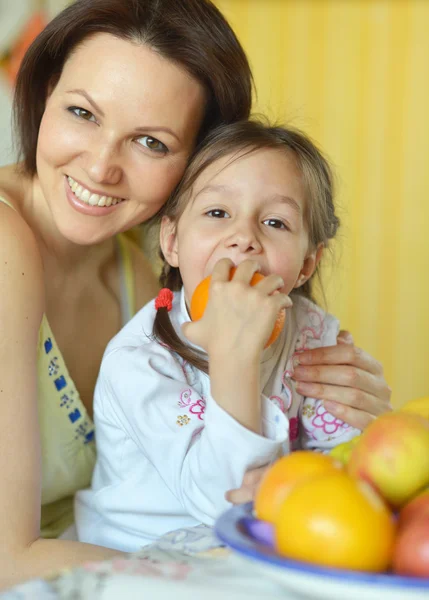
(184, 565)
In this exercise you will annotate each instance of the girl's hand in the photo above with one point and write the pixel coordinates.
(239, 318)
(348, 379)
(247, 491)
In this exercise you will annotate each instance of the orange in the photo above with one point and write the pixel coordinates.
(284, 474)
(336, 521)
(201, 295)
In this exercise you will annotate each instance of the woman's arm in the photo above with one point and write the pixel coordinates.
(22, 553)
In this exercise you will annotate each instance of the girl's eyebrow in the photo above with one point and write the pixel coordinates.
(289, 201)
(214, 188)
(274, 198)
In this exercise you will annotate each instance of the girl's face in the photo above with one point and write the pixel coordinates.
(250, 207)
(115, 137)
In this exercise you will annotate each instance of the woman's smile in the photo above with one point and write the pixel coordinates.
(88, 202)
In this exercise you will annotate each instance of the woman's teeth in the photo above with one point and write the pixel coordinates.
(87, 197)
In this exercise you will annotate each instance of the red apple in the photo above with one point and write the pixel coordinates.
(411, 552)
(414, 508)
(392, 454)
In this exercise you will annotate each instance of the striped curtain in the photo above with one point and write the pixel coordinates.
(354, 74)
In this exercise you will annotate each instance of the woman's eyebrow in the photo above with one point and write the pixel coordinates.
(88, 98)
(155, 129)
(141, 129)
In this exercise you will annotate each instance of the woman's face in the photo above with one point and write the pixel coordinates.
(115, 137)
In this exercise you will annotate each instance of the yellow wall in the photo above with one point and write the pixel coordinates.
(354, 74)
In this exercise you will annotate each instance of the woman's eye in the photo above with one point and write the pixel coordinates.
(275, 223)
(81, 113)
(217, 213)
(153, 144)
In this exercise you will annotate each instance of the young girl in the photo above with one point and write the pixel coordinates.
(183, 409)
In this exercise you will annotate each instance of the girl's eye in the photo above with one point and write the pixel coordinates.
(275, 223)
(152, 144)
(217, 213)
(81, 113)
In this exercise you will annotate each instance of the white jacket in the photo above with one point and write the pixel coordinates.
(166, 452)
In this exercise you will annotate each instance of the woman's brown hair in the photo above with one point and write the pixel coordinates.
(191, 33)
(236, 140)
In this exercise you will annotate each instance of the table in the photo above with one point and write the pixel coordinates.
(188, 564)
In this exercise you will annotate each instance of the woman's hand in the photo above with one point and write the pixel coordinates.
(349, 381)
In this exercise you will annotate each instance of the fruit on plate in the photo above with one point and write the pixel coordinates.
(284, 474)
(200, 298)
(393, 455)
(337, 521)
(418, 406)
(343, 451)
(411, 554)
(415, 508)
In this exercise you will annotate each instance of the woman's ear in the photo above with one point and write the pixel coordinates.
(309, 266)
(168, 241)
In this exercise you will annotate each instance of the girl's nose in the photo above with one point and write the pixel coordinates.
(245, 240)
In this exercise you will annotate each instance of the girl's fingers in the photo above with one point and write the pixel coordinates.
(282, 301)
(246, 270)
(221, 270)
(270, 284)
(342, 354)
(239, 495)
(246, 492)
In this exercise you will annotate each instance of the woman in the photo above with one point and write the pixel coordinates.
(110, 101)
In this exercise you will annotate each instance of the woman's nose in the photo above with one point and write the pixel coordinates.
(104, 166)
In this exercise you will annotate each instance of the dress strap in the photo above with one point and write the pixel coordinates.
(126, 279)
(4, 201)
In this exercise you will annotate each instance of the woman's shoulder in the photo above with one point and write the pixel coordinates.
(21, 266)
(13, 185)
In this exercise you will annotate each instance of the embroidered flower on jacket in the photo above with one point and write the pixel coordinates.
(182, 420)
(308, 411)
(327, 422)
(198, 409)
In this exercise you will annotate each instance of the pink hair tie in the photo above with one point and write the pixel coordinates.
(164, 299)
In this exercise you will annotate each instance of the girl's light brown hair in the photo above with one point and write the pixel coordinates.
(236, 140)
(191, 33)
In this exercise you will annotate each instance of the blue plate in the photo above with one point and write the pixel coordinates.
(238, 529)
